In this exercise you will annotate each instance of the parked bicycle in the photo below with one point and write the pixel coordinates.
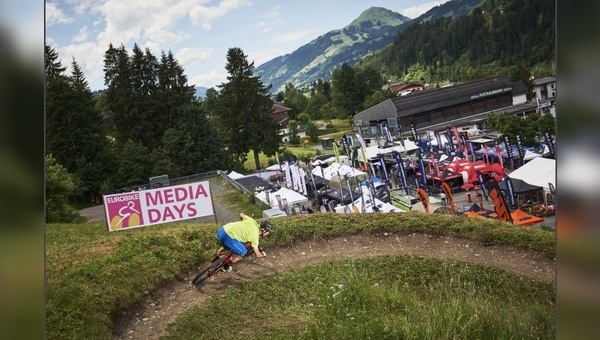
(215, 266)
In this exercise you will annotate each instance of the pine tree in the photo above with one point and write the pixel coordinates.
(52, 66)
(245, 111)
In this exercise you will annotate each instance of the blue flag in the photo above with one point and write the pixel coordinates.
(422, 171)
(382, 164)
(482, 186)
(401, 172)
(510, 194)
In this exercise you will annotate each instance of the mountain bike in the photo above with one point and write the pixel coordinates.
(215, 266)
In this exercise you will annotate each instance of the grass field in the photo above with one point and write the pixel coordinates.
(92, 274)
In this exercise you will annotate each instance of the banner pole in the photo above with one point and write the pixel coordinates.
(212, 201)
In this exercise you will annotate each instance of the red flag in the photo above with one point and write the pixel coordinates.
(500, 157)
(457, 136)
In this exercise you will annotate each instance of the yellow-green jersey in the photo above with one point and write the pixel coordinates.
(246, 230)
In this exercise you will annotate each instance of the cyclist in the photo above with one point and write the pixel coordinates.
(233, 235)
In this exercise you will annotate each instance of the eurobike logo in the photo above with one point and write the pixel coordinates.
(161, 205)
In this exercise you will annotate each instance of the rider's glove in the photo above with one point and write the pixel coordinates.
(264, 253)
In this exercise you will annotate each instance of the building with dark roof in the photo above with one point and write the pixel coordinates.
(435, 109)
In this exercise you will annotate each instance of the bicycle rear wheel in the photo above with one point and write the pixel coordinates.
(209, 271)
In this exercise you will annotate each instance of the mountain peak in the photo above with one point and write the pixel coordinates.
(379, 16)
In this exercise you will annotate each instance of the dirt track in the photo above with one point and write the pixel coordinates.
(149, 319)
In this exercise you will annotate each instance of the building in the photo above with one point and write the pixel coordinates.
(403, 89)
(436, 109)
(280, 115)
(545, 94)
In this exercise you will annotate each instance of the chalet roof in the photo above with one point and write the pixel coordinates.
(397, 87)
(432, 99)
(543, 81)
(279, 108)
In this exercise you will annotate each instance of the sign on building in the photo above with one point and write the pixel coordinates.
(155, 206)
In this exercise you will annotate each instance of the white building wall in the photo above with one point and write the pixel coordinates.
(519, 99)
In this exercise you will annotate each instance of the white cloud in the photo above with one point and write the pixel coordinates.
(414, 12)
(193, 56)
(211, 79)
(290, 36)
(81, 36)
(203, 15)
(55, 15)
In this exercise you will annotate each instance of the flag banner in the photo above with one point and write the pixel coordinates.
(552, 189)
(412, 164)
(401, 172)
(448, 192)
(303, 187)
(346, 146)
(361, 141)
(520, 146)
(277, 158)
(471, 149)
(500, 155)
(288, 176)
(549, 142)
(389, 136)
(510, 194)
(450, 142)
(383, 169)
(439, 140)
(458, 139)
(430, 166)
(422, 195)
(499, 201)
(336, 152)
(508, 146)
(155, 206)
(422, 171)
(415, 136)
(481, 185)
(463, 140)
(486, 153)
(295, 177)
(436, 168)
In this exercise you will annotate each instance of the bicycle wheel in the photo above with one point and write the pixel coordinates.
(209, 271)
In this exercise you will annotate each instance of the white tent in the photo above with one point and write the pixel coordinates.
(372, 151)
(331, 172)
(276, 167)
(539, 171)
(235, 175)
(291, 196)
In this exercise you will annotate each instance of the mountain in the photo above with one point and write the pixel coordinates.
(373, 30)
(200, 91)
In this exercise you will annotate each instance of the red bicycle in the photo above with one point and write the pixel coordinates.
(215, 266)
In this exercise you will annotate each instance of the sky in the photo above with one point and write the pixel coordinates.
(199, 32)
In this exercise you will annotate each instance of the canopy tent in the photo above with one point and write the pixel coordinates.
(235, 175)
(539, 171)
(276, 167)
(291, 196)
(522, 218)
(380, 205)
(371, 152)
(331, 172)
(519, 186)
(254, 183)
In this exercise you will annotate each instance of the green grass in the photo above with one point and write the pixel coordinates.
(92, 274)
(403, 297)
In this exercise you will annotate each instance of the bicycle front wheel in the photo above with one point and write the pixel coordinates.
(208, 272)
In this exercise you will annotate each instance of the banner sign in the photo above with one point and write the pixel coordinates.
(549, 142)
(156, 206)
(482, 185)
(508, 147)
(422, 171)
(401, 172)
(520, 146)
(383, 168)
(510, 193)
(450, 141)
(498, 200)
(413, 131)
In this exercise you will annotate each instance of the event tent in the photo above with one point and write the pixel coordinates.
(331, 172)
(253, 182)
(519, 186)
(539, 171)
(371, 152)
(291, 196)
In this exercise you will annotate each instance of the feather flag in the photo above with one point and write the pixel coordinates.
(498, 200)
(422, 171)
(500, 155)
(450, 142)
(549, 142)
(401, 171)
(510, 194)
(485, 151)
(383, 168)
(336, 152)
(520, 147)
(482, 186)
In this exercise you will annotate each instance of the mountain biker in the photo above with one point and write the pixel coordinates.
(233, 235)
